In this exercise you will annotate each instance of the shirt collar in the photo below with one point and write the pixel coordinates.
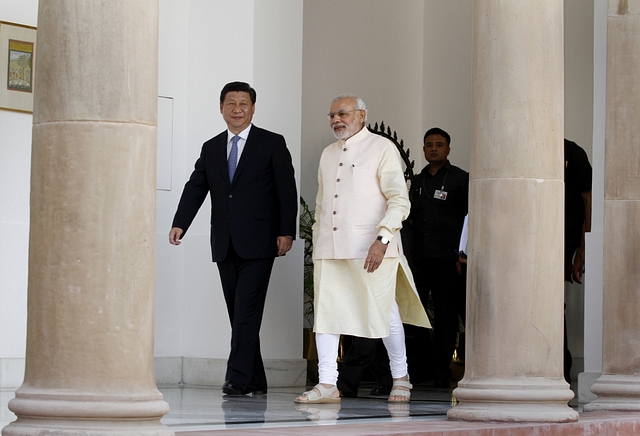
(357, 137)
(447, 166)
(243, 135)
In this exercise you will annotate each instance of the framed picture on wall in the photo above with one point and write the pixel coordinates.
(17, 66)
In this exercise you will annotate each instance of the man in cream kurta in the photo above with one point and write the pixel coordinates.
(363, 286)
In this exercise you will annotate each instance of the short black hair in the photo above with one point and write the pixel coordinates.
(437, 131)
(238, 87)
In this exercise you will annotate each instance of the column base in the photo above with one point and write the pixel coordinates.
(615, 393)
(68, 427)
(513, 400)
(585, 381)
(55, 411)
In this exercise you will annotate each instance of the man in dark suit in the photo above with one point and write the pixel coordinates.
(577, 221)
(248, 173)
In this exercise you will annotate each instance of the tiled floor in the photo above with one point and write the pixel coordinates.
(206, 409)
(206, 412)
(196, 409)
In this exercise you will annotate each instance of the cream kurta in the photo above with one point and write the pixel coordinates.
(361, 194)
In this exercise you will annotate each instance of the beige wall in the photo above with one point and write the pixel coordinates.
(446, 97)
(411, 62)
(578, 72)
(372, 48)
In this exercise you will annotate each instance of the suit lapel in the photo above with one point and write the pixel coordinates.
(220, 157)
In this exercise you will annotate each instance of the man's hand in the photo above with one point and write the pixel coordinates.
(174, 235)
(578, 265)
(375, 256)
(284, 245)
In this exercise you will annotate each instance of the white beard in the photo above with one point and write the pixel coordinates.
(344, 134)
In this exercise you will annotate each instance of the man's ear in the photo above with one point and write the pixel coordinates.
(363, 115)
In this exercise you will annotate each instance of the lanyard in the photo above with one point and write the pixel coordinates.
(443, 182)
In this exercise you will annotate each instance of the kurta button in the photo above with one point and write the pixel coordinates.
(340, 163)
(230, 195)
(344, 149)
(338, 180)
(334, 212)
(335, 196)
(335, 228)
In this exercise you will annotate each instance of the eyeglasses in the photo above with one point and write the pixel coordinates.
(340, 114)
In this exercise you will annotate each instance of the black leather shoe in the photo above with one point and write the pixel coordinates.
(230, 388)
(381, 390)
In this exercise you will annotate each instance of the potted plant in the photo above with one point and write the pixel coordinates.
(307, 220)
(310, 353)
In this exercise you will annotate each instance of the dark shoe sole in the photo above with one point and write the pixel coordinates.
(381, 390)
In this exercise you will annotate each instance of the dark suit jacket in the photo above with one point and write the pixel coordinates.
(258, 206)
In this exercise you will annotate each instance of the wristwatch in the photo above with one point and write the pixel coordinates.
(384, 240)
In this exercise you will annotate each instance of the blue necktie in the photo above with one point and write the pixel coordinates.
(233, 157)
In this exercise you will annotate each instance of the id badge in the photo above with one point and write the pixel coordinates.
(440, 195)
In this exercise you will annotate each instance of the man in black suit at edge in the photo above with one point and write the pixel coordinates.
(249, 175)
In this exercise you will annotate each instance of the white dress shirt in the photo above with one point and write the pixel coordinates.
(243, 139)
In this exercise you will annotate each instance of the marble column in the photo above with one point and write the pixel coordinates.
(515, 284)
(618, 388)
(89, 361)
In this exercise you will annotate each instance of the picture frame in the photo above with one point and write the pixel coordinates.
(17, 66)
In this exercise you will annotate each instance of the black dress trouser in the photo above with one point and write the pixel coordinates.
(363, 353)
(439, 278)
(244, 284)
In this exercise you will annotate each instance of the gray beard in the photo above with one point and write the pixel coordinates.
(339, 135)
(346, 133)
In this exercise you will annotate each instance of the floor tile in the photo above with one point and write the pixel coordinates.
(207, 409)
